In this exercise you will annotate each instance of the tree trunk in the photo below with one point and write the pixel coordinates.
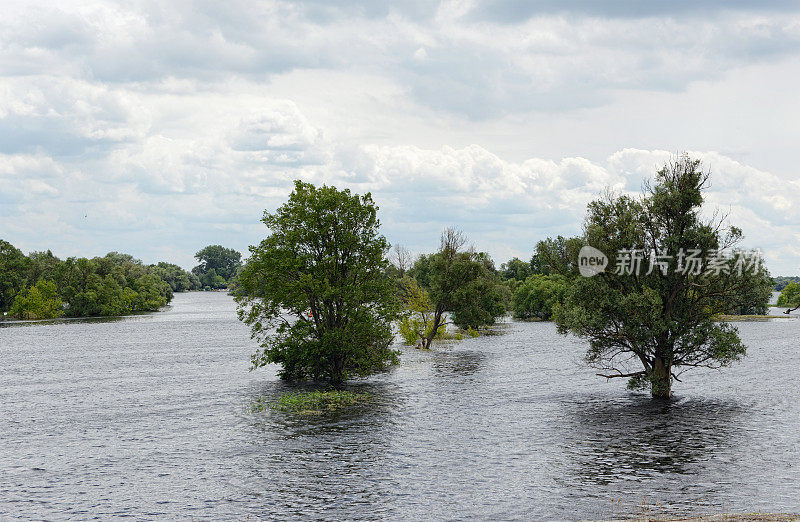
(661, 379)
(337, 375)
(427, 341)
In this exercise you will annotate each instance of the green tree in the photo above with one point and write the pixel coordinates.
(515, 269)
(539, 295)
(13, 274)
(480, 301)
(324, 267)
(42, 265)
(782, 281)
(40, 301)
(557, 256)
(662, 321)
(461, 282)
(417, 323)
(752, 294)
(790, 297)
(176, 277)
(211, 280)
(224, 261)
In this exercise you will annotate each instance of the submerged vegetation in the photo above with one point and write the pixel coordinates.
(453, 285)
(312, 402)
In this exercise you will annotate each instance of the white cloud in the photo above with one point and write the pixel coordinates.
(162, 127)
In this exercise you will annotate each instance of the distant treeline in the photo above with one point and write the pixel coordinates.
(42, 286)
(782, 281)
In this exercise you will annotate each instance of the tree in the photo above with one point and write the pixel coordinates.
(752, 295)
(315, 291)
(790, 297)
(176, 277)
(417, 322)
(212, 280)
(663, 321)
(480, 301)
(515, 269)
(539, 295)
(40, 301)
(401, 260)
(782, 281)
(13, 269)
(459, 282)
(557, 256)
(224, 261)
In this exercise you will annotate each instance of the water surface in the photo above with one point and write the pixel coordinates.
(148, 417)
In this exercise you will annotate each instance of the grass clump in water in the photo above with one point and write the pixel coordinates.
(312, 402)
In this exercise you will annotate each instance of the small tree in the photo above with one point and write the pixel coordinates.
(460, 282)
(790, 297)
(315, 291)
(417, 322)
(663, 320)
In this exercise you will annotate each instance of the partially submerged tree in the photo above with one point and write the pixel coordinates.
(662, 319)
(417, 321)
(459, 282)
(315, 291)
(790, 297)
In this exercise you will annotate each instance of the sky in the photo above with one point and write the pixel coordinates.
(156, 128)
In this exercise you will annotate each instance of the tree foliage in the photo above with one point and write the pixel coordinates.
(40, 301)
(417, 321)
(315, 292)
(663, 322)
(463, 283)
(539, 295)
(41, 285)
(176, 277)
(557, 256)
(218, 266)
(13, 273)
(515, 269)
(790, 296)
(782, 281)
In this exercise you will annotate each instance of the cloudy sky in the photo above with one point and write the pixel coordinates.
(157, 128)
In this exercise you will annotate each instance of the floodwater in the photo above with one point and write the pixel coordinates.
(148, 417)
